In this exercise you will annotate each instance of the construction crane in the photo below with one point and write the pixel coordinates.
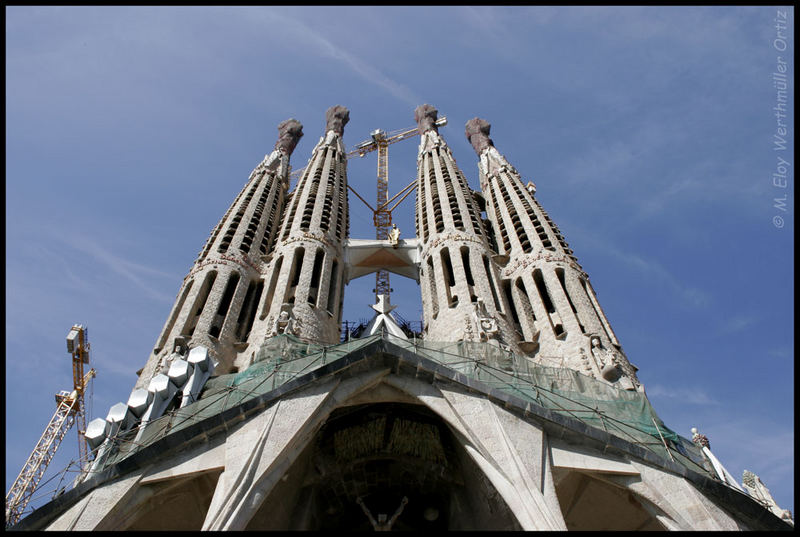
(69, 410)
(382, 215)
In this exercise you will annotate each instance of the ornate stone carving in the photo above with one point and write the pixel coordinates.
(286, 322)
(757, 490)
(487, 325)
(527, 260)
(289, 133)
(477, 132)
(425, 115)
(336, 118)
(700, 439)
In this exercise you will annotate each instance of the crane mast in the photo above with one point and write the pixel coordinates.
(70, 409)
(382, 215)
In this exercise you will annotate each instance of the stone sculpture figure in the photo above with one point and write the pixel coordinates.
(394, 236)
(286, 323)
(487, 325)
(382, 524)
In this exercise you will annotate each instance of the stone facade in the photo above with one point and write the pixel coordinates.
(381, 429)
(381, 437)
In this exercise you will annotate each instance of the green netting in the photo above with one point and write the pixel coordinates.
(626, 414)
(564, 390)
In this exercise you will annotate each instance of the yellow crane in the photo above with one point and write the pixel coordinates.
(380, 140)
(70, 409)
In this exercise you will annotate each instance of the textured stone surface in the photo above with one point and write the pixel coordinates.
(289, 133)
(336, 118)
(425, 115)
(477, 131)
(506, 478)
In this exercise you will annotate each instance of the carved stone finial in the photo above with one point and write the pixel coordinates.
(336, 118)
(700, 439)
(289, 133)
(477, 131)
(425, 115)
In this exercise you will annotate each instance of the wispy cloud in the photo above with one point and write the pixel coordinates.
(693, 396)
(304, 34)
(735, 324)
(691, 295)
(780, 352)
(134, 272)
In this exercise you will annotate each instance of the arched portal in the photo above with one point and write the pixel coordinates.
(366, 459)
(590, 504)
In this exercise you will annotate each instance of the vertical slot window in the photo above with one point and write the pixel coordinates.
(199, 304)
(541, 287)
(561, 279)
(316, 272)
(273, 281)
(248, 312)
(528, 317)
(447, 268)
(510, 299)
(224, 305)
(332, 286)
(488, 268)
(294, 277)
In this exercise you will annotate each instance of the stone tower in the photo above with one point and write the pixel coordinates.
(461, 298)
(552, 302)
(216, 305)
(305, 278)
(269, 422)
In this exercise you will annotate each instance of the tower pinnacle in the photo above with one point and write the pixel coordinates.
(289, 133)
(425, 115)
(336, 118)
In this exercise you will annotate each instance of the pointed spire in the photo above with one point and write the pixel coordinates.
(336, 118)
(289, 133)
(477, 131)
(426, 115)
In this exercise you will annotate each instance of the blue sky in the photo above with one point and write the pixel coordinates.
(649, 133)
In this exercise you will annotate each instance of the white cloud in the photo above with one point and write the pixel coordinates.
(303, 34)
(691, 395)
(132, 271)
(691, 295)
